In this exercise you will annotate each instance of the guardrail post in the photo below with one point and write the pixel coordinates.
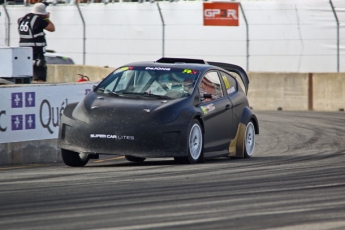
(247, 34)
(163, 25)
(310, 92)
(8, 24)
(338, 45)
(84, 30)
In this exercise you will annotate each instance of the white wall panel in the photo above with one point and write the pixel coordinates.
(264, 14)
(200, 32)
(303, 64)
(186, 36)
(117, 60)
(182, 13)
(129, 30)
(121, 14)
(205, 48)
(121, 32)
(292, 47)
(136, 46)
(340, 8)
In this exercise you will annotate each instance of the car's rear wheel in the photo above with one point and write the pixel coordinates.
(249, 140)
(74, 159)
(134, 159)
(195, 143)
(181, 160)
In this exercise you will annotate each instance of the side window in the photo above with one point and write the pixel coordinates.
(229, 82)
(210, 88)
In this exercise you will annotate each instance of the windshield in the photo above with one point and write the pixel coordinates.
(149, 82)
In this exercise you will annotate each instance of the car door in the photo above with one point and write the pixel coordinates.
(216, 108)
(235, 95)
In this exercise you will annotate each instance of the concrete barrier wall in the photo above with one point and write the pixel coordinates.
(69, 73)
(270, 91)
(27, 152)
(329, 91)
(29, 119)
(267, 91)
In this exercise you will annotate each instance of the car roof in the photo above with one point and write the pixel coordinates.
(197, 64)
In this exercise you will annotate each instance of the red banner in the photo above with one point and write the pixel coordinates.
(220, 14)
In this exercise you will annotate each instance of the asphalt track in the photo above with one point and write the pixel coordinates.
(295, 180)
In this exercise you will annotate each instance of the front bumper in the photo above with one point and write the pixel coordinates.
(136, 139)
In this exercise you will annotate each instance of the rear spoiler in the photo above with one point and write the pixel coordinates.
(236, 69)
(180, 60)
(229, 67)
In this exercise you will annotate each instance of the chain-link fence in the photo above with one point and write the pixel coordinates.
(274, 36)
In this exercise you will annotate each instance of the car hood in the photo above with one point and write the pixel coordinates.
(96, 108)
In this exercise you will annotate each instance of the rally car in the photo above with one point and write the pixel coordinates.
(186, 109)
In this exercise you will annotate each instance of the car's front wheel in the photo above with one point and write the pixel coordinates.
(74, 159)
(195, 143)
(249, 140)
(135, 159)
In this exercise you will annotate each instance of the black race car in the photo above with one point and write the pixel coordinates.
(188, 109)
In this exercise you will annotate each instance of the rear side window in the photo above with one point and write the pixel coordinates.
(229, 82)
(210, 87)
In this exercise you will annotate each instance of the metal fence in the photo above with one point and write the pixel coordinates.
(255, 30)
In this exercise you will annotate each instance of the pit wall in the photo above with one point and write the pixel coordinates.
(30, 119)
(69, 73)
(267, 91)
(297, 91)
(28, 152)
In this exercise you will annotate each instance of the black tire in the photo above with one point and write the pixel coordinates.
(195, 145)
(249, 140)
(135, 159)
(181, 160)
(74, 159)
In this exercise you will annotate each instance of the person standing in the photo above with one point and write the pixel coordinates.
(31, 34)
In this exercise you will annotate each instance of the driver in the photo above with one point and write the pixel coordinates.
(170, 82)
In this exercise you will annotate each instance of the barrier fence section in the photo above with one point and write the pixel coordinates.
(32, 112)
(281, 36)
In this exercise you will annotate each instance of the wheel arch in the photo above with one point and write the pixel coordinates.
(247, 116)
(237, 146)
(69, 109)
(201, 121)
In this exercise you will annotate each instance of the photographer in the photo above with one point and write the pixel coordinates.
(30, 28)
